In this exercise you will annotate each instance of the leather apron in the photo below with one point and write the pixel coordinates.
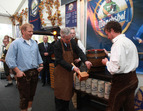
(63, 87)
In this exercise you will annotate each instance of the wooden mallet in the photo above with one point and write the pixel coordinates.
(81, 75)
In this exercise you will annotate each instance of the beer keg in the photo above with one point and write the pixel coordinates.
(95, 56)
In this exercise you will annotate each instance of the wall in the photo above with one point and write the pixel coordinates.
(82, 21)
(5, 20)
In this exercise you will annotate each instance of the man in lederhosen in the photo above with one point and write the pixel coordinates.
(24, 58)
(122, 65)
(63, 87)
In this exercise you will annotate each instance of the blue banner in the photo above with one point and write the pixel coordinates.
(66, 1)
(71, 15)
(127, 12)
(34, 17)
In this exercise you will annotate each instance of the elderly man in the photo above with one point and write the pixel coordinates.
(24, 58)
(64, 49)
(122, 65)
(46, 50)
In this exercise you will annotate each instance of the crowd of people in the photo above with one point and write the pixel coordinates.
(27, 60)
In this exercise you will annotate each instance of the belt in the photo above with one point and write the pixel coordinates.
(30, 70)
(131, 72)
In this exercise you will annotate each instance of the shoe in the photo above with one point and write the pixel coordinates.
(8, 84)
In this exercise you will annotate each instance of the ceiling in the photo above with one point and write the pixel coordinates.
(10, 7)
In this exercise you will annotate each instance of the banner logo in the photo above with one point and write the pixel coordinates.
(109, 10)
(34, 8)
(71, 6)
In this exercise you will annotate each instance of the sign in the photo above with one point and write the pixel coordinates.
(71, 15)
(34, 17)
(126, 12)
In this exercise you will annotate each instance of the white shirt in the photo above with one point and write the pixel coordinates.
(45, 44)
(124, 56)
(80, 45)
(28, 42)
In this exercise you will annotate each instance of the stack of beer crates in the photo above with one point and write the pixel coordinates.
(52, 67)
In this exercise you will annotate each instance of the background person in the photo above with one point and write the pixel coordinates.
(24, 58)
(122, 65)
(63, 86)
(55, 40)
(6, 68)
(46, 50)
(77, 60)
(12, 74)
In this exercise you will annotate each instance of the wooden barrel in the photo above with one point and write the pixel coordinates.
(95, 56)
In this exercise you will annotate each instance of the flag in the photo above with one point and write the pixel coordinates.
(34, 17)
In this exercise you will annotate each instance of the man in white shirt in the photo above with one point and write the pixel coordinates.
(79, 43)
(122, 65)
(77, 60)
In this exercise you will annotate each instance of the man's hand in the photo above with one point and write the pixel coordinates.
(88, 64)
(104, 61)
(39, 69)
(46, 54)
(20, 74)
(2, 60)
(76, 69)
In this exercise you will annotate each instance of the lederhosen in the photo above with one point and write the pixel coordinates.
(27, 87)
(122, 92)
(63, 87)
(6, 68)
